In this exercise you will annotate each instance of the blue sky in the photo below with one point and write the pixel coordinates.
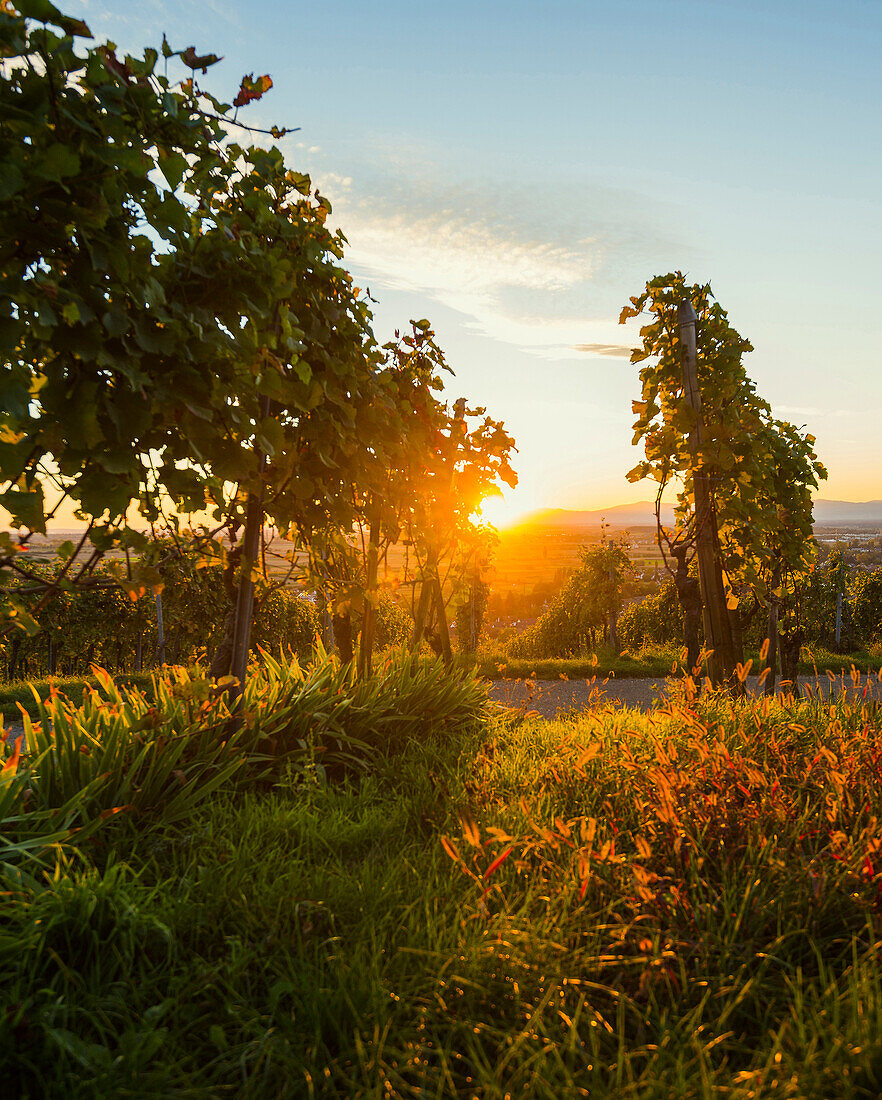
(515, 171)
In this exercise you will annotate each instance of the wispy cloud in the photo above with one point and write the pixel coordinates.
(544, 276)
(797, 412)
(481, 269)
(605, 351)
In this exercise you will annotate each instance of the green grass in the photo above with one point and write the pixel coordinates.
(650, 661)
(654, 662)
(690, 906)
(17, 694)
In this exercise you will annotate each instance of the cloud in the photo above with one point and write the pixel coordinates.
(796, 412)
(548, 276)
(467, 263)
(605, 351)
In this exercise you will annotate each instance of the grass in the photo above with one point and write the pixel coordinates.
(651, 661)
(18, 695)
(655, 662)
(681, 903)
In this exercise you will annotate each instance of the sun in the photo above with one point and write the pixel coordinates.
(498, 511)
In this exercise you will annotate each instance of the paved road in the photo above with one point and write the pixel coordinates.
(549, 697)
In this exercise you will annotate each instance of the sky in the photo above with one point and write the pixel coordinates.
(515, 171)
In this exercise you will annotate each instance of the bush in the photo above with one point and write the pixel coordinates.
(284, 620)
(120, 752)
(588, 604)
(654, 620)
(409, 696)
(867, 607)
(394, 624)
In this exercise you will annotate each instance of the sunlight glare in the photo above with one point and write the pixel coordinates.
(498, 511)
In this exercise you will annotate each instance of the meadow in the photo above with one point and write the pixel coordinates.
(435, 897)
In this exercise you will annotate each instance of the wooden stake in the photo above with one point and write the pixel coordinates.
(717, 630)
(443, 629)
(369, 616)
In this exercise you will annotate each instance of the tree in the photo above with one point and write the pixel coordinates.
(95, 353)
(426, 489)
(756, 471)
(867, 606)
(657, 619)
(774, 557)
(178, 332)
(176, 328)
(588, 603)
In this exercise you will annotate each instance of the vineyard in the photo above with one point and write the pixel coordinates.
(263, 830)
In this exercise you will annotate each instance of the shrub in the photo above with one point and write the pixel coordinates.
(119, 752)
(588, 603)
(654, 620)
(408, 697)
(867, 606)
(284, 620)
(394, 623)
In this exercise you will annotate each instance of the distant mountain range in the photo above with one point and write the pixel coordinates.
(828, 513)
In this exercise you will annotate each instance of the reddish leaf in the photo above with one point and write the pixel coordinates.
(252, 89)
(114, 65)
(470, 832)
(105, 814)
(498, 862)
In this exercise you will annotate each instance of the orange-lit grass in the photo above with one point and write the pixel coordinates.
(707, 870)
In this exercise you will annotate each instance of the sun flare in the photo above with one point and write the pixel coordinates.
(500, 512)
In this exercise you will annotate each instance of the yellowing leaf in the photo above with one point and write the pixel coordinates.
(470, 832)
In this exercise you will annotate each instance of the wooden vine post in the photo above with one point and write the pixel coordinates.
(443, 627)
(369, 616)
(432, 600)
(717, 630)
(422, 612)
(254, 516)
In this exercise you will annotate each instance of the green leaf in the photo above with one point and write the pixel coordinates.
(11, 180)
(76, 28)
(173, 166)
(26, 508)
(57, 162)
(115, 322)
(271, 436)
(39, 9)
(196, 61)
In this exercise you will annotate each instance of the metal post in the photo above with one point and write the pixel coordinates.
(160, 630)
(327, 641)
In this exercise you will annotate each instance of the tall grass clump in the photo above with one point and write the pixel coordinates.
(153, 755)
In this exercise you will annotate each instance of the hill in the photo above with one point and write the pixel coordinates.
(642, 514)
